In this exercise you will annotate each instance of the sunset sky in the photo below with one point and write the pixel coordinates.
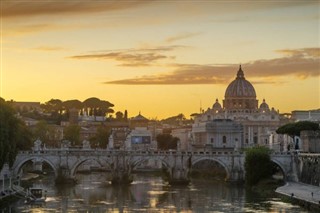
(160, 57)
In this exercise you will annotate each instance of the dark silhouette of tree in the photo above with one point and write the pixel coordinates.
(96, 107)
(54, 105)
(125, 115)
(101, 139)
(41, 131)
(178, 120)
(13, 134)
(59, 111)
(72, 134)
(166, 141)
(294, 129)
(257, 165)
(70, 104)
(119, 116)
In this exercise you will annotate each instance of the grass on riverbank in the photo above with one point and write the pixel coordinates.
(267, 187)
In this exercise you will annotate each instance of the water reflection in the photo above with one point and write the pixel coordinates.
(148, 193)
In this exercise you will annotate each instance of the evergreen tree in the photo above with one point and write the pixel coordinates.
(13, 134)
(257, 165)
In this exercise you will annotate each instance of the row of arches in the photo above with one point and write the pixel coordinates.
(210, 165)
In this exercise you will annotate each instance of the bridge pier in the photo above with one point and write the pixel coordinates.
(37, 165)
(64, 176)
(236, 176)
(179, 176)
(179, 172)
(121, 170)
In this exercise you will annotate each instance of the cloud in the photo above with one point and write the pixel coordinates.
(137, 57)
(309, 52)
(22, 29)
(181, 36)
(49, 48)
(301, 63)
(34, 8)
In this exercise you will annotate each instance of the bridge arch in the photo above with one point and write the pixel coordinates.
(220, 162)
(81, 161)
(17, 168)
(141, 160)
(283, 170)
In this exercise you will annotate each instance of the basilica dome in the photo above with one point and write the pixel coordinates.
(216, 105)
(240, 87)
(240, 95)
(264, 105)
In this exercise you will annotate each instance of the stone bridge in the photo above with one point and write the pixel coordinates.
(178, 165)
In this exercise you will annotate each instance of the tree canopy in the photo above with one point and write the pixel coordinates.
(72, 134)
(166, 142)
(101, 139)
(177, 120)
(257, 165)
(14, 135)
(294, 129)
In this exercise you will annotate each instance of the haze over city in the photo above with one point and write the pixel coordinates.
(160, 57)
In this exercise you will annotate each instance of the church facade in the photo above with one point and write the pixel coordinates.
(246, 123)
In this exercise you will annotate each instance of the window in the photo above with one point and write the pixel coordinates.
(211, 140)
(224, 139)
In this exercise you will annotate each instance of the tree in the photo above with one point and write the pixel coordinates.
(46, 133)
(126, 115)
(257, 165)
(166, 142)
(294, 129)
(100, 107)
(72, 134)
(69, 104)
(54, 105)
(13, 134)
(41, 131)
(119, 116)
(102, 137)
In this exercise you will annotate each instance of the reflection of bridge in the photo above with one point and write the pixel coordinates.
(65, 162)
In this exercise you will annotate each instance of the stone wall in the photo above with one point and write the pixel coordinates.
(310, 141)
(310, 172)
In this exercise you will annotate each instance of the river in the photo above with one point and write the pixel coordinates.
(149, 193)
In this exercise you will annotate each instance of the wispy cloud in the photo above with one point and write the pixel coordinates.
(181, 36)
(308, 52)
(135, 57)
(49, 48)
(35, 8)
(301, 63)
(133, 60)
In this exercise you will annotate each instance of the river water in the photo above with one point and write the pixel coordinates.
(149, 193)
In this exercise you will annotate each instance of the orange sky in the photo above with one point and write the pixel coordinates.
(160, 57)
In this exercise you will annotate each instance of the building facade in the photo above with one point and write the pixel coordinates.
(241, 106)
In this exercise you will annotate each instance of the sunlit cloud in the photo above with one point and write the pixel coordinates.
(135, 60)
(49, 48)
(28, 29)
(34, 8)
(311, 52)
(301, 63)
(135, 57)
(23, 29)
(181, 36)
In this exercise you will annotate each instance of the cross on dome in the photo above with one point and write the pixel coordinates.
(240, 73)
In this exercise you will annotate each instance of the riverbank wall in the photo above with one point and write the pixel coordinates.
(307, 196)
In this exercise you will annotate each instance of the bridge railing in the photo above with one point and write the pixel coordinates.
(71, 151)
